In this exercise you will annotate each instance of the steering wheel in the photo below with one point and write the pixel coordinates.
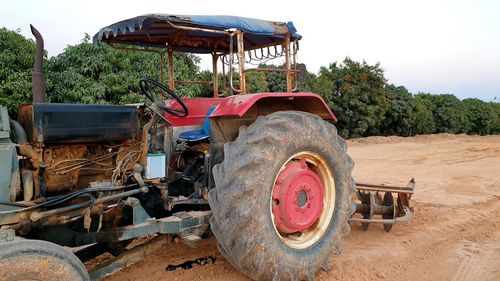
(144, 85)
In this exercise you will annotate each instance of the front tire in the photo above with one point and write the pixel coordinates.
(254, 234)
(39, 260)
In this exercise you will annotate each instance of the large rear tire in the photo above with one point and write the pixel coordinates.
(272, 156)
(39, 260)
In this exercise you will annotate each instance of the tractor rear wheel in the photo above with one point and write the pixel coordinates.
(283, 196)
(39, 260)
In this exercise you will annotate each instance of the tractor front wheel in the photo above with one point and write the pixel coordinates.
(39, 260)
(282, 196)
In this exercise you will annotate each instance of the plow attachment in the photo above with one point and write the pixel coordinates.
(377, 209)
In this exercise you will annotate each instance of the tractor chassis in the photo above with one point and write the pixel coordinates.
(188, 226)
(129, 257)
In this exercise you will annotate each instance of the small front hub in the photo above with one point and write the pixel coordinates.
(297, 198)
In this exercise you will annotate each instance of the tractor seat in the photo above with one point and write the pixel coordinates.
(201, 134)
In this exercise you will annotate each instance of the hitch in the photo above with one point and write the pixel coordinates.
(372, 204)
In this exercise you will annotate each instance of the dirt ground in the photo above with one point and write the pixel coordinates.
(454, 235)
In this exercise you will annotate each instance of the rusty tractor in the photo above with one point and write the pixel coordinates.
(265, 173)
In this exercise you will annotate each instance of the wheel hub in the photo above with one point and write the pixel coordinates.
(297, 198)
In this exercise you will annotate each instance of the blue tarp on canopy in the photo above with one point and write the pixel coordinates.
(158, 30)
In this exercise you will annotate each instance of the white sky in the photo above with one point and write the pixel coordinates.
(426, 46)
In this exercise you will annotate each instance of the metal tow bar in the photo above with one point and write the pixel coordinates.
(371, 204)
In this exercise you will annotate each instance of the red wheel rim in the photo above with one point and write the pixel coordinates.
(298, 197)
(302, 200)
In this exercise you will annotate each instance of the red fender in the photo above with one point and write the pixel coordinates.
(265, 103)
(251, 105)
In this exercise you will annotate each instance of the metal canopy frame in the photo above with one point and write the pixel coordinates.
(230, 59)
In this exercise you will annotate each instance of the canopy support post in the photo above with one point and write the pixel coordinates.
(287, 64)
(215, 57)
(171, 82)
(295, 76)
(241, 61)
(162, 68)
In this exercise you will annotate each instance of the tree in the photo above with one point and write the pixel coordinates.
(324, 85)
(17, 55)
(448, 112)
(356, 93)
(306, 79)
(276, 81)
(495, 106)
(257, 82)
(87, 73)
(397, 119)
(480, 116)
(422, 119)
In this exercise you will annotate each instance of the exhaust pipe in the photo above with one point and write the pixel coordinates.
(38, 79)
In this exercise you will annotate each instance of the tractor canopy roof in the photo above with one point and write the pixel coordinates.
(195, 34)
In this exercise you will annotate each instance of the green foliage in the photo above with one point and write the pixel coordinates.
(480, 115)
(449, 113)
(276, 81)
(306, 79)
(87, 73)
(397, 119)
(257, 82)
(200, 90)
(187, 69)
(356, 92)
(16, 64)
(323, 85)
(495, 106)
(421, 118)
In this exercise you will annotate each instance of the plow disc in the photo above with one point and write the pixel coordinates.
(377, 209)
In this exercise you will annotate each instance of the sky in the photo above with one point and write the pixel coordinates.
(427, 46)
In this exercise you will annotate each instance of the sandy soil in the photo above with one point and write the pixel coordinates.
(454, 235)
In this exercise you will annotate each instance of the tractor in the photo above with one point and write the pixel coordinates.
(265, 173)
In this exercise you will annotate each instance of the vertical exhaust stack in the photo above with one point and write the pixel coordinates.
(38, 79)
